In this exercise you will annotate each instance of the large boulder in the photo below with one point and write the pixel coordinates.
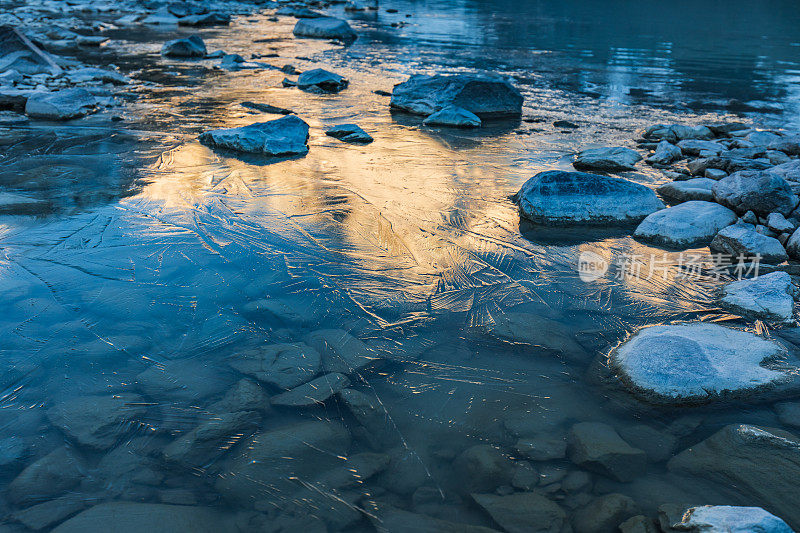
(758, 191)
(486, 97)
(97, 421)
(526, 512)
(685, 191)
(324, 28)
(769, 297)
(561, 198)
(697, 363)
(597, 447)
(264, 466)
(60, 105)
(763, 464)
(740, 241)
(685, 225)
(729, 519)
(280, 137)
(612, 159)
(188, 47)
(129, 517)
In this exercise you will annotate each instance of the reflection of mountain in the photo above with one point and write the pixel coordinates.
(736, 49)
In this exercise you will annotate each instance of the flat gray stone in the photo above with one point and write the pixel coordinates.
(349, 133)
(739, 240)
(483, 96)
(696, 363)
(729, 519)
(611, 159)
(677, 132)
(97, 421)
(60, 105)
(324, 28)
(685, 191)
(769, 297)
(321, 81)
(280, 137)
(686, 225)
(559, 198)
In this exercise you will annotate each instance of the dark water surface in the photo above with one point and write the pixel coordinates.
(153, 258)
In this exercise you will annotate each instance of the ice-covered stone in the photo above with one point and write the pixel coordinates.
(60, 105)
(611, 159)
(280, 137)
(324, 28)
(341, 352)
(130, 517)
(685, 225)
(526, 512)
(730, 519)
(769, 297)
(483, 96)
(561, 198)
(694, 363)
(314, 392)
(97, 421)
(185, 47)
(453, 116)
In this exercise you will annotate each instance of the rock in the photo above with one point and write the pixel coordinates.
(788, 413)
(349, 133)
(788, 145)
(757, 191)
(607, 159)
(187, 47)
(769, 297)
(604, 514)
(658, 445)
(341, 352)
(695, 147)
(60, 105)
(12, 449)
(97, 421)
(387, 518)
(665, 153)
(761, 138)
(88, 74)
(282, 365)
(128, 517)
(280, 137)
(685, 191)
(376, 425)
(793, 244)
(486, 97)
(246, 395)
(50, 513)
(598, 447)
(324, 28)
(161, 16)
(695, 363)
(298, 12)
(53, 474)
(267, 108)
(523, 513)
(184, 380)
(686, 225)
(729, 519)
(638, 524)
(763, 464)
(20, 54)
(789, 171)
(483, 468)
(312, 393)
(525, 476)
(677, 132)
(320, 80)
(740, 241)
(542, 447)
(778, 223)
(565, 198)
(715, 174)
(777, 158)
(207, 19)
(262, 467)
(535, 330)
(211, 438)
(453, 116)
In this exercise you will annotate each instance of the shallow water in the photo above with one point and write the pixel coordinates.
(136, 273)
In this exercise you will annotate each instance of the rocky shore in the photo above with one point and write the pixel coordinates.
(285, 426)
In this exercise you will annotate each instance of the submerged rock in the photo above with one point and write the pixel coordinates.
(349, 133)
(729, 519)
(187, 47)
(97, 421)
(281, 137)
(604, 514)
(685, 191)
(388, 518)
(483, 96)
(741, 241)
(607, 159)
(685, 225)
(763, 464)
(320, 80)
(769, 297)
(598, 447)
(129, 517)
(324, 28)
(314, 392)
(483, 468)
(696, 363)
(60, 105)
(561, 198)
(282, 365)
(341, 352)
(535, 330)
(53, 474)
(527, 512)
(453, 116)
(211, 438)
(757, 191)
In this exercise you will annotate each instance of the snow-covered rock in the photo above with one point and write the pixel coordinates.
(730, 519)
(685, 225)
(324, 28)
(769, 297)
(740, 240)
(483, 96)
(610, 159)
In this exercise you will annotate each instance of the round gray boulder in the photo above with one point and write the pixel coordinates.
(754, 190)
(685, 225)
